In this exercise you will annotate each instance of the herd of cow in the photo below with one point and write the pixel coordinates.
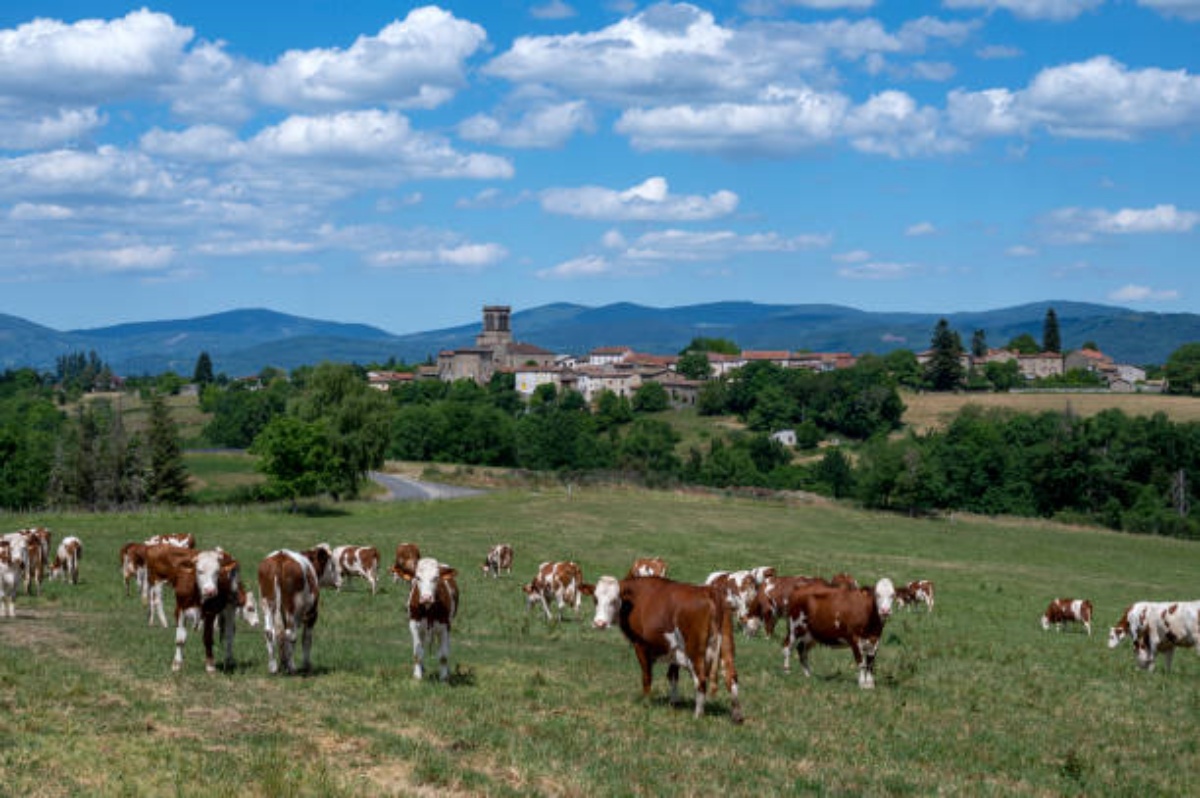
(690, 626)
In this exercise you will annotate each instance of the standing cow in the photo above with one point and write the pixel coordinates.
(362, 561)
(405, 567)
(11, 570)
(208, 591)
(499, 560)
(1062, 611)
(688, 625)
(66, 560)
(1158, 626)
(432, 605)
(561, 582)
(289, 593)
(837, 616)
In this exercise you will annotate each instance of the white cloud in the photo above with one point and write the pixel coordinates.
(465, 257)
(123, 259)
(415, 62)
(1081, 225)
(554, 9)
(920, 229)
(1141, 293)
(878, 271)
(853, 256)
(1058, 10)
(547, 126)
(35, 212)
(51, 62)
(996, 52)
(648, 201)
(688, 245)
(890, 123)
(240, 247)
(1185, 9)
(106, 172)
(199, 143)
(587, 266)
(29, 132)
(1020, 251)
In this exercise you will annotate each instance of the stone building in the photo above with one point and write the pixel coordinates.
(494, 350)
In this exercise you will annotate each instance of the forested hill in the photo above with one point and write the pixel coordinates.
(244, 341)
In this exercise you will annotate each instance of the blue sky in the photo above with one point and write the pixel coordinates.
(403, 165)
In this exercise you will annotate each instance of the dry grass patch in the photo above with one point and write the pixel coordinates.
(926, 411)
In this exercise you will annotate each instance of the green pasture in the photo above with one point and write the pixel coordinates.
(972, 699)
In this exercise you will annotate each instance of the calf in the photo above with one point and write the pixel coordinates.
(499, 559)
(66, 560)
(918, 591)
(405, 567)
(1158, 626)
(208, 591)
(689, 625)
(362, 561)
(10, 579)
(560, 581)
(837, 615)
(1065, 610)
(162, 561)
(647, 566)
(288, 592)
(432, 605)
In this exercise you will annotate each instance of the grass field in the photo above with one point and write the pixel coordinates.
(973, 699)
(925, 411)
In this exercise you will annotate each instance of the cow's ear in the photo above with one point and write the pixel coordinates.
(587, 590)
(449, 573)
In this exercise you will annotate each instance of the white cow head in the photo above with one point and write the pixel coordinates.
(208, 573)
(607, 594)
(885, 596)
(248, 609)
(425, 581)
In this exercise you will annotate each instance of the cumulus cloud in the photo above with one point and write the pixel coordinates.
(686, 245)
(1082, 225)
(32, 132)
(586, 266)
(1057, 10)
(648, 201)
(465, 257)
(1142, 293)
(853, 256)
(543, 127)
(415, 62)
(121, 259)
(106, 172)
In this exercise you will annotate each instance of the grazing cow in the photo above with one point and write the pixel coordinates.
(919, 591)
(133, 565)
(162, 561)
(560, 581)
(739, 589)
(1066, 610)
(37, 541)
(10, 578)
(1158, 626)
(360, 561)
(432, 605)
(771, 601)
(208, 591)
(499, 559)
(407, 555)
(689, 625)
(288, 593)
(647, 566)
(838, 615)
(66, 560)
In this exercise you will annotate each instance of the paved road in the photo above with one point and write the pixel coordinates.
(405, 489)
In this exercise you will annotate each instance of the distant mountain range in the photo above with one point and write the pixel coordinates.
(244, 341)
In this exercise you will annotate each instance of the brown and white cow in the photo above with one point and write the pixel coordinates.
(920, 590)
(739, 589)
(133, 565)
(183, 540)
(771, 601)
(647, 566)
(1062, 611)
(405, 567)
(208, 591)
(11, 574)
(38, 543)
(289, 594)
(18, 557)
(432, 605)
(561, 582)
(837, 615)
(1158, 627)
(499, 560)
(361, 561)
(162, 561)
(689, 625)
(66, 560)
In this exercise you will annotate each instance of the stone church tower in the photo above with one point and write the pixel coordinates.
(497, 332)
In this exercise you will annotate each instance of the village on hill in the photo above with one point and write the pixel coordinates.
(622, 371)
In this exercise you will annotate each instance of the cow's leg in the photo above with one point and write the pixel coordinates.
(802, 648)
(269, 626)
(306, 637)
(1167, 655)
(209, 621)
(418, 638)
(789, 642)
(647, 669)
(180, 639)
(228, 621)
(864, 653)
(373, 579)
(673, 682)
(443, 630)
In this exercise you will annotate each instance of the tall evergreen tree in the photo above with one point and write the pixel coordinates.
(203, 373)
(944, 371)
(979, 346)
(167, 477)
(1051, 340)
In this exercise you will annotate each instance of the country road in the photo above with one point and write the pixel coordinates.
(405, 489)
